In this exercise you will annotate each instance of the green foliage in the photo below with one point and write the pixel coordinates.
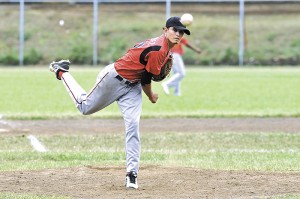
(295, 43)
(32, 57)
(81, 53)
(114, 50)
(270, 39)
(230, 57)
(27, 35)
(9, 59)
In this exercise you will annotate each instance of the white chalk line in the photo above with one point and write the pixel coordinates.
(36, 144)
(3, 130)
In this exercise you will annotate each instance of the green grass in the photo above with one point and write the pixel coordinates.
(224, 151)
(34, 93)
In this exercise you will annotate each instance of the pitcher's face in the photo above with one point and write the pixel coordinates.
(173, 35)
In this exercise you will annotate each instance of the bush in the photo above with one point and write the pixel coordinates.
(9, 59)
(270, 39)
(113, 51)
(32, 57)
(81, 53)
(230, 57)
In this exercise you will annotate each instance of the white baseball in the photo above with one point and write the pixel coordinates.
(186, 19)
(61, 22)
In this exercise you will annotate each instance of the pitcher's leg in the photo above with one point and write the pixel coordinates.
(75, 91)
(131, 107)
(105, 91)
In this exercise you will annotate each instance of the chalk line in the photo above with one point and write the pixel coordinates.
(36, 144)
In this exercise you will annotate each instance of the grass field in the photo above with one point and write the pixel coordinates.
(34, 93)
(225, 151)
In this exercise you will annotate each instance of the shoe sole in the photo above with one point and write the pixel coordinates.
(133, 188)
(52, 70)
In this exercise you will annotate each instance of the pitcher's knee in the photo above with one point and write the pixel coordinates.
(85, 110)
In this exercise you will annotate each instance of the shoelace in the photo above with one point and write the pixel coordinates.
(132, 177)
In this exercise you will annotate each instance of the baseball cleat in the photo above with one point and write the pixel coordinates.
(166, 88)
(62, 65)
(131, 180)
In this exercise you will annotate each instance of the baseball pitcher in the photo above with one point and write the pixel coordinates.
(123, 82)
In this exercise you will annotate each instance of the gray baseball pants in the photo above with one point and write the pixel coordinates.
(107, 90)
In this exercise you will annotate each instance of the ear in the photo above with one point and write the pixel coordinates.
(165, 29)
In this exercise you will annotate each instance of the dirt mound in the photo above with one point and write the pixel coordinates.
(154, 182)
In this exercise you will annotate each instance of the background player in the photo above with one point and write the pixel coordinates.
(178, 67)
(123, 82)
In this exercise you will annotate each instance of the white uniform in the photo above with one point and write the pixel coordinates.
(178, 70)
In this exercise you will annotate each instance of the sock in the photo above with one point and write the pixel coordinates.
(60, 73)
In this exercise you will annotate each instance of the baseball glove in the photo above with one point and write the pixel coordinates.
(165, 70)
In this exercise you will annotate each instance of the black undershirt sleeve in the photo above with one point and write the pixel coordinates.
(146, 78)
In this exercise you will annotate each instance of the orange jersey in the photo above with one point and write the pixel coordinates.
(149, 55)
(178, 48)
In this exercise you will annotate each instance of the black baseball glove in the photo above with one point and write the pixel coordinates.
(165, 70)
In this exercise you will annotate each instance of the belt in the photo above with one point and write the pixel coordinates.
(121, 79)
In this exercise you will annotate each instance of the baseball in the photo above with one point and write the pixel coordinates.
(61, 22)
(187, 19)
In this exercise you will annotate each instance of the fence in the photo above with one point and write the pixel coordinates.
(78, 41)
(147, 1)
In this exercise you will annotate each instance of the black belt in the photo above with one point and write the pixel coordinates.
(126, 82)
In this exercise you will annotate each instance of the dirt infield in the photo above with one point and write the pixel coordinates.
(90, 126)
(154, 181)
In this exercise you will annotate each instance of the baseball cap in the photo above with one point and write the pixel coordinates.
(175, 22)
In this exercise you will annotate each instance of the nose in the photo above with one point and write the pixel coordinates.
(177, 33)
